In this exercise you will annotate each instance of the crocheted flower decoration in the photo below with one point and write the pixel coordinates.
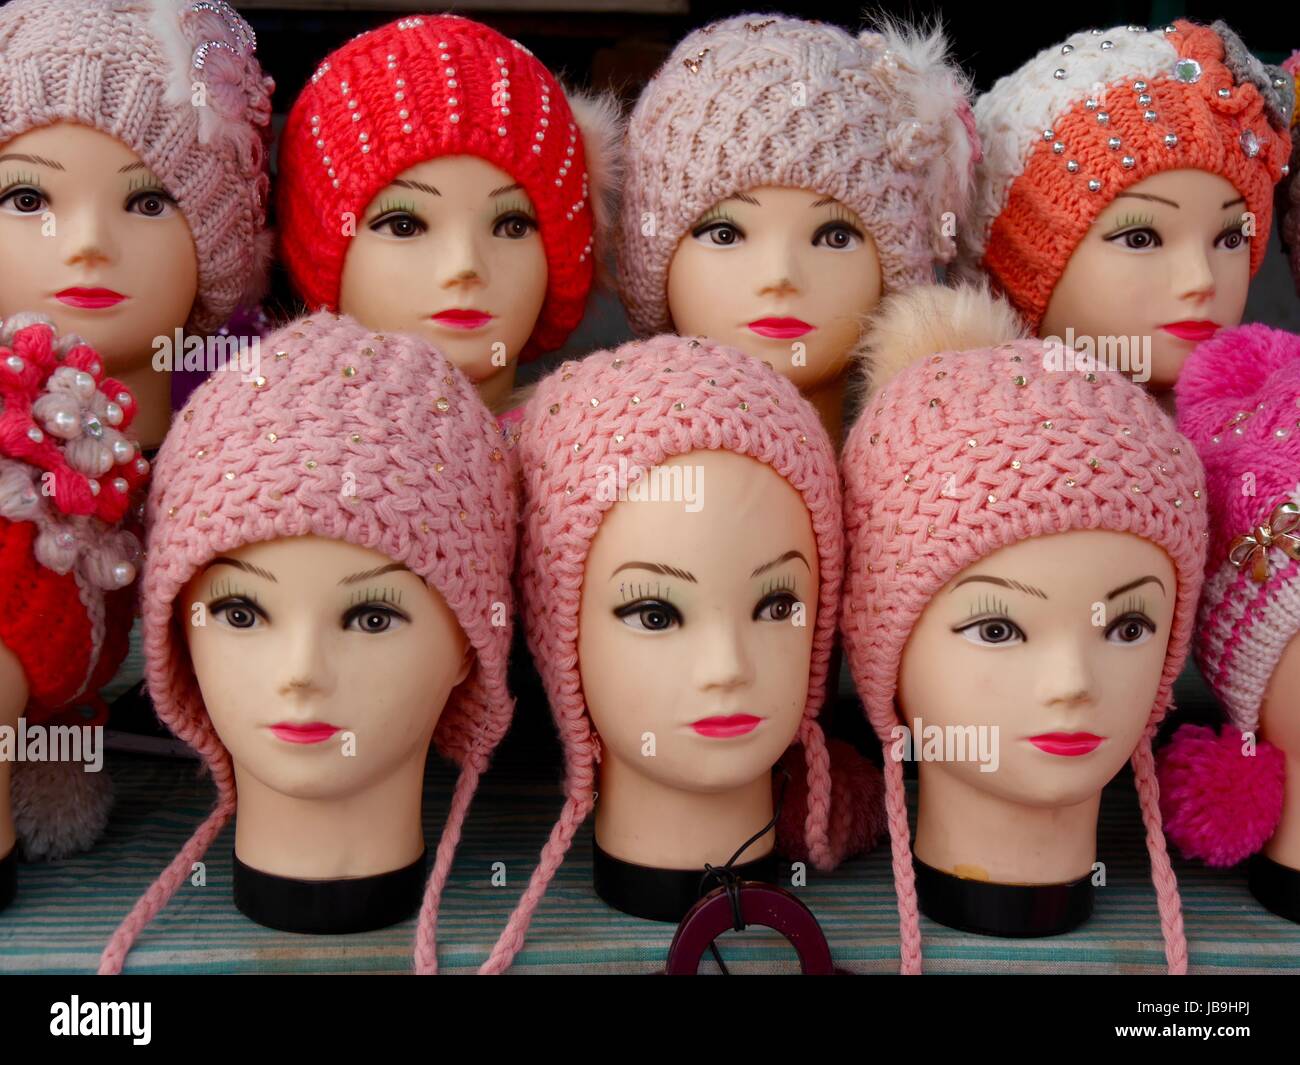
(65, 462)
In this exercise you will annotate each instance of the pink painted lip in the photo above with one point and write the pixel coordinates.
(461, 318)
(1197, 331)
(1067, 744)
(780, 328)
(311, 732)
(725, 727)
(90, 299)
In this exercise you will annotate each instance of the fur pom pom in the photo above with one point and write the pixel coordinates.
(857, 804)
(59, 809)
(600, 123)
(1218, 804)
(923, 321)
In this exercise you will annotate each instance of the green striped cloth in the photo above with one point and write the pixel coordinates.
(65, 911)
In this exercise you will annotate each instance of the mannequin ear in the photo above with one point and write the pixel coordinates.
(600, 123)
(918, 322)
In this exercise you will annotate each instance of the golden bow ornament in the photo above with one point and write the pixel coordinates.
(1282, 530)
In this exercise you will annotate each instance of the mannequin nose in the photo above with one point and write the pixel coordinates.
(780, 271)
(86, 236)
(462, 262)
(306, 665)
(1195, 278)
(722, 661)
(1066, 679)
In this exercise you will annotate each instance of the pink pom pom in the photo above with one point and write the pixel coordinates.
(857, 820)
(1218, 804)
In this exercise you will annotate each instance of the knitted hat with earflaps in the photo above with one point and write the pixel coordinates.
(1086, 119)
(969, 442)
(250, 461)
(433, 85)
(643, 404)
(135, 69)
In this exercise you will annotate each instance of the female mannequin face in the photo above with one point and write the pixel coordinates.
(450, 251)
(1060, 642)
(1167, 259)
(775, 254)
(80, 211)
(13, 701)
(694, 613)
(309, 631)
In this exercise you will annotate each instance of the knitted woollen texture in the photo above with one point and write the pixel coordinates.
(129, 68)
(1086, 119)
(1288, 193)
(337, 407)
(879, 121)
(418, 89)
(67, 473)
(954, 423)
(645, 403)
(1237, 402)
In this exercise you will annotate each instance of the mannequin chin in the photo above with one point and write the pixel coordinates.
(1058, 643)
(308, 631)
(785, 275)
(1165, 264)
(13, 701)
(695, 638)
(1279, 724)
(450, 251)
(80, 211)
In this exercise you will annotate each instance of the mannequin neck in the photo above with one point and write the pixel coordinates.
(649, 823)
(827, 399)
(1284, 845)
(152, 390)
(362, 834)
(972, 833)
(495, 391)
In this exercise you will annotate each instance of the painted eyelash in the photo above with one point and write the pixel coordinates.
(223, 588)
(1134, 605)
(12, 181)
(840, 213)
(632, 592)
(779, 584)
(387, 207)
(1235, 223)
(382, 595)
(1131, 221)
(988, 605)
(714, 214)
(517, 207)
(147, 184)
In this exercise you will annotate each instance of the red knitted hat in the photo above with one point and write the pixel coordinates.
(429, 86)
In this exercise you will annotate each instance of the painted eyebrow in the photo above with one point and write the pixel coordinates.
(504, 189)
(743, 197)
(1233, 203)
(1028, 589)
(824, 201)
(36, 159)
(138, 165)
(1137, 584)
(1147, 196)
(221, 560)
(392, 567)
(777, 561)
(420, 185)
(657, 567)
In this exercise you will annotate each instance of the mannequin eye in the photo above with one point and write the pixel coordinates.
(400, 224)
(839, 236)
(514, 226)
(1139, 238)
(238, 612)
(719, 234)
(152, 203)
(373, 618)
(1131, 630)
(23, 200)
(779, 606)
(1232, 238)
(995, 632)
(649, 615)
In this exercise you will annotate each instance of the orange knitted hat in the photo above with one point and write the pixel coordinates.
(1084, 120)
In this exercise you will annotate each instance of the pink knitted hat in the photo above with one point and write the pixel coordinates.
(1237, 401)
(645, 403)
(974, 445)
(130, 68)
(880, 121)
(255, 460)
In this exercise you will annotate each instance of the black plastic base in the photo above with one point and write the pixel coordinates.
(1276, 886)
(329, 907)
(9, 877)
(1012, 911)
(662, 894)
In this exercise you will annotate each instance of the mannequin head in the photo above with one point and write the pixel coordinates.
(501, 175)
(1087, 148)
(857, 155)
(1033, 565)
(80, 210)
(769, 254)
(314, 623)
(420, 256)
(1167, 259)
(358, 481)
(699, 607)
